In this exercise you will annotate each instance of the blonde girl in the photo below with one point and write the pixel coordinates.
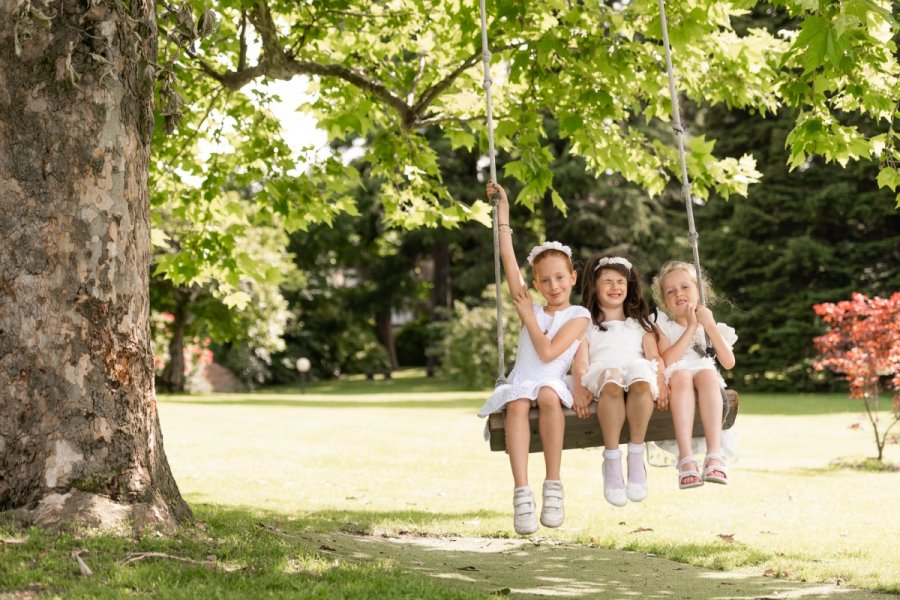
(690, 369)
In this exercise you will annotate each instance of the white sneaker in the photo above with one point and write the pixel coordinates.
(524, 519)
(636, 489)
(613, 484)
(552, 512)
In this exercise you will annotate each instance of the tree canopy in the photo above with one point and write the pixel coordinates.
(387, 72)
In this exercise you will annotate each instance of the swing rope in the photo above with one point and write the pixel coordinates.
(685, 182)
(486, 57)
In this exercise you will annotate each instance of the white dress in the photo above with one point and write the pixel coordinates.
(617, 356)
(530, 373)
(693, 362)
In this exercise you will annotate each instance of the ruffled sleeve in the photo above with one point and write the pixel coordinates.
(578, 311)
(728, 334)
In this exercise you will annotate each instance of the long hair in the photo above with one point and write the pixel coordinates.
(635, 305)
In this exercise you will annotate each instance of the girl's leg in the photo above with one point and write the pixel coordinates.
(681, 402)
(552, 426)
(611, 415)
(638, 410)
(709, 398)
(518, 438)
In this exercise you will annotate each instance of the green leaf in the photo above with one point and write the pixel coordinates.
(889, 177)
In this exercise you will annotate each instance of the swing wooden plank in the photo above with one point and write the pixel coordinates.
(585, 433)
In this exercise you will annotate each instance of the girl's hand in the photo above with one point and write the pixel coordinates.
(662, 403)
(495, 189)
(691, 316)
(524, 304)
(706, 318)
(583, 399)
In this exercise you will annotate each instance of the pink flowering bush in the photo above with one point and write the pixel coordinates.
(863, 343)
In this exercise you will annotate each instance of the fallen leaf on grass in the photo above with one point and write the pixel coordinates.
(13, 541)
(327, 548)
(641, 530)
(776, 573)
(726, 537)
(467, 568)
(502, 592)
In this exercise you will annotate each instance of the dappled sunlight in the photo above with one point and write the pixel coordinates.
(423, 470)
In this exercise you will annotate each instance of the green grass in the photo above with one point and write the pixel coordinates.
(233, 554)
(406, 455)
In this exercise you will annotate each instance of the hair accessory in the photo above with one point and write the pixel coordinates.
(538, 250)
(613, 260)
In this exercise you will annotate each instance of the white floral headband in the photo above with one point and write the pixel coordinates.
(613, 260)
(538, 250)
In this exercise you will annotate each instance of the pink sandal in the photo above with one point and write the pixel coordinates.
(720, 468)
(685, 473)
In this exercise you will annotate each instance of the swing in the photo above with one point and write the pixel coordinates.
(585, 433)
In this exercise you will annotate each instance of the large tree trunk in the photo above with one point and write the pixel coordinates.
(79, 432)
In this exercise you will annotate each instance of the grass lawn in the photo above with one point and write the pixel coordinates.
(270, 473)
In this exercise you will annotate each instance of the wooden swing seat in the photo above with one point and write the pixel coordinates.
(585, 433)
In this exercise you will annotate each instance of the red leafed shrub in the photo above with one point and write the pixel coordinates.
(863, 343)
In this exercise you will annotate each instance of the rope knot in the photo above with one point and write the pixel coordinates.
(487, 56)
(487, 83)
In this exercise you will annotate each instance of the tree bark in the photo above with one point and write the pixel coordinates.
(79, 431)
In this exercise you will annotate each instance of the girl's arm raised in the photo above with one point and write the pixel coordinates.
(507, 252)
(681, 345)
(723, 351)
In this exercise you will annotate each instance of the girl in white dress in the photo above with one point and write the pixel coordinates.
(618, 363)
(689, 368)
(548, 341)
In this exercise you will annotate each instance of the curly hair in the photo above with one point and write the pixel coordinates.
(709, 295)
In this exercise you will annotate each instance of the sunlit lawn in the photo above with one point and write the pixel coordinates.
(408, 455)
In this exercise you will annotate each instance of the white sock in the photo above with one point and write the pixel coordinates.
(636, 448)
(612, 454)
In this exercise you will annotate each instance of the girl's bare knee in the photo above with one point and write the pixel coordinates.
(548, 400)
(612, 393)
(519, 407)
(681, 380)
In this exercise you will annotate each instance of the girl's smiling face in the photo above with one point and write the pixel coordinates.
(611, 287)
(679, 290)
(554, 279)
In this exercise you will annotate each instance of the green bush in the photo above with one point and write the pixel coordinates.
(468, 345)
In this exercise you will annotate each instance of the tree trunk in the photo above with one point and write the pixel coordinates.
(441, 291)
(79, 431)
(172, 378)
(385, 332)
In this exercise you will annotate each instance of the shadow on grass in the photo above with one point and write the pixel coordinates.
(245, 553)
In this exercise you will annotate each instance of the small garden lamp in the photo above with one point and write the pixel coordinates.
(303, 366)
